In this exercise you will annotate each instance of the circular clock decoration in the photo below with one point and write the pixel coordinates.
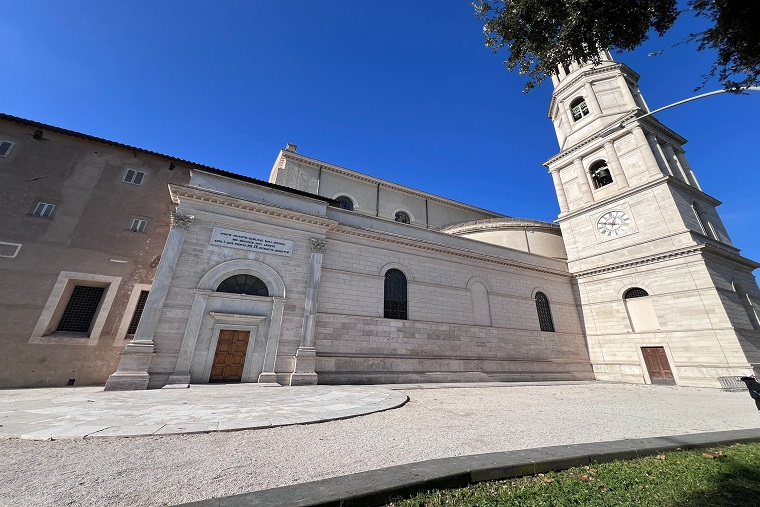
(613, 223)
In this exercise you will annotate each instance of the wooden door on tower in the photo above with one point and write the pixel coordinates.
(230, 356)
(657, 365)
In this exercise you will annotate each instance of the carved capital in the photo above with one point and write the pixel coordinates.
(181, 222)
(318, 245)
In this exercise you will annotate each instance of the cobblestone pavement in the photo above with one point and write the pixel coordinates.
(87, 412)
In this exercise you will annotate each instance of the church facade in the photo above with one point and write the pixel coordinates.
(327, 275)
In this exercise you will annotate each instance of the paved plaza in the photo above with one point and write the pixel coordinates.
(438, 421)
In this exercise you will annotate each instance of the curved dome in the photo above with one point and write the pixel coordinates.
(534, 236)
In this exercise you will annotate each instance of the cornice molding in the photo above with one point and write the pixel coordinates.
(442, 248)
(261, 208)
(496, 223)
(695, 250)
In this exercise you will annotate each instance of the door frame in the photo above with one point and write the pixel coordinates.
(643, 364)
(253, 327)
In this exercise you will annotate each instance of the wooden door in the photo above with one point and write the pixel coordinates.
(230, 356)
(657, 365)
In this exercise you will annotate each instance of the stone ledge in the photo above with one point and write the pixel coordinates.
(378, 487)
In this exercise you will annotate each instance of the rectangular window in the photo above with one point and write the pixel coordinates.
(81, 308)
(138, 225)
(44, 209)
(134, 177)
(132, 329)
(5, 148)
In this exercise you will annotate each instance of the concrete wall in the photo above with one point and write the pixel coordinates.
(87, 237)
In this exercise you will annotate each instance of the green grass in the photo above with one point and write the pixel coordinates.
(682, 478)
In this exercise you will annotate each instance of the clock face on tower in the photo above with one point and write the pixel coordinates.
(613, 223)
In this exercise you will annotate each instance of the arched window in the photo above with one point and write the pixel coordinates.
(395, 306)
(244, 284)
(704, 224)
(345, 202)
(635, 292)
(600, 174)
(544, 312)
(641, 314)
(578, 108)
(403, 217)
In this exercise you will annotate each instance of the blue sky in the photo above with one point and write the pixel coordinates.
(401, 90)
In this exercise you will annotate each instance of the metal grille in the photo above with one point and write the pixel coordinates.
(403, 217)
(635, 293)
(244, 284)
(80, 310)
(731, 384)
(132, 329)
(395, 295)
(544, 312)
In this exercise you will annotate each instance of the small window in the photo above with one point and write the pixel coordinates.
(134, 177)
(635, 292)
(44, 209)
(138, 225)
(132, 329)
(579, 109)
(244, 284)
(345, 202)
(5, 148)
(748, 305)
(544, 313)
(403, 217)
(80, 310)
(600, 174)
(395, 304)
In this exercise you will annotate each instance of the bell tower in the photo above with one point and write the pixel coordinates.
(665, 296)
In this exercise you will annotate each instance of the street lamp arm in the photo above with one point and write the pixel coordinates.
(749, 88)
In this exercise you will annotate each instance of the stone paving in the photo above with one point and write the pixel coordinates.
(87, 412)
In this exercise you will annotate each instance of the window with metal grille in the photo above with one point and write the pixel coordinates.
(345, 202)
(544, 312)
(44, 209)
(579, 109)
(244, 284)
(138, 225)
(134, 177)
(132, 329)
(81, 308)
(5, 148)
(635, 292)
(403, 217)
(395, 306)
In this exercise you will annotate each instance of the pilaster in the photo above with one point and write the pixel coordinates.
(305, 358)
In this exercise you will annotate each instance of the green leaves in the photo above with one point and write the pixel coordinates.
(542, 35)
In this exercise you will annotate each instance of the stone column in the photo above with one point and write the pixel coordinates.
(132, 373)
(560, 189)
(591, 99)
(654, 145)
(583, 184)
(614, 164)
(681, 156)
(670, 154)
(646, 152)
(555, 80)
(306, 356)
